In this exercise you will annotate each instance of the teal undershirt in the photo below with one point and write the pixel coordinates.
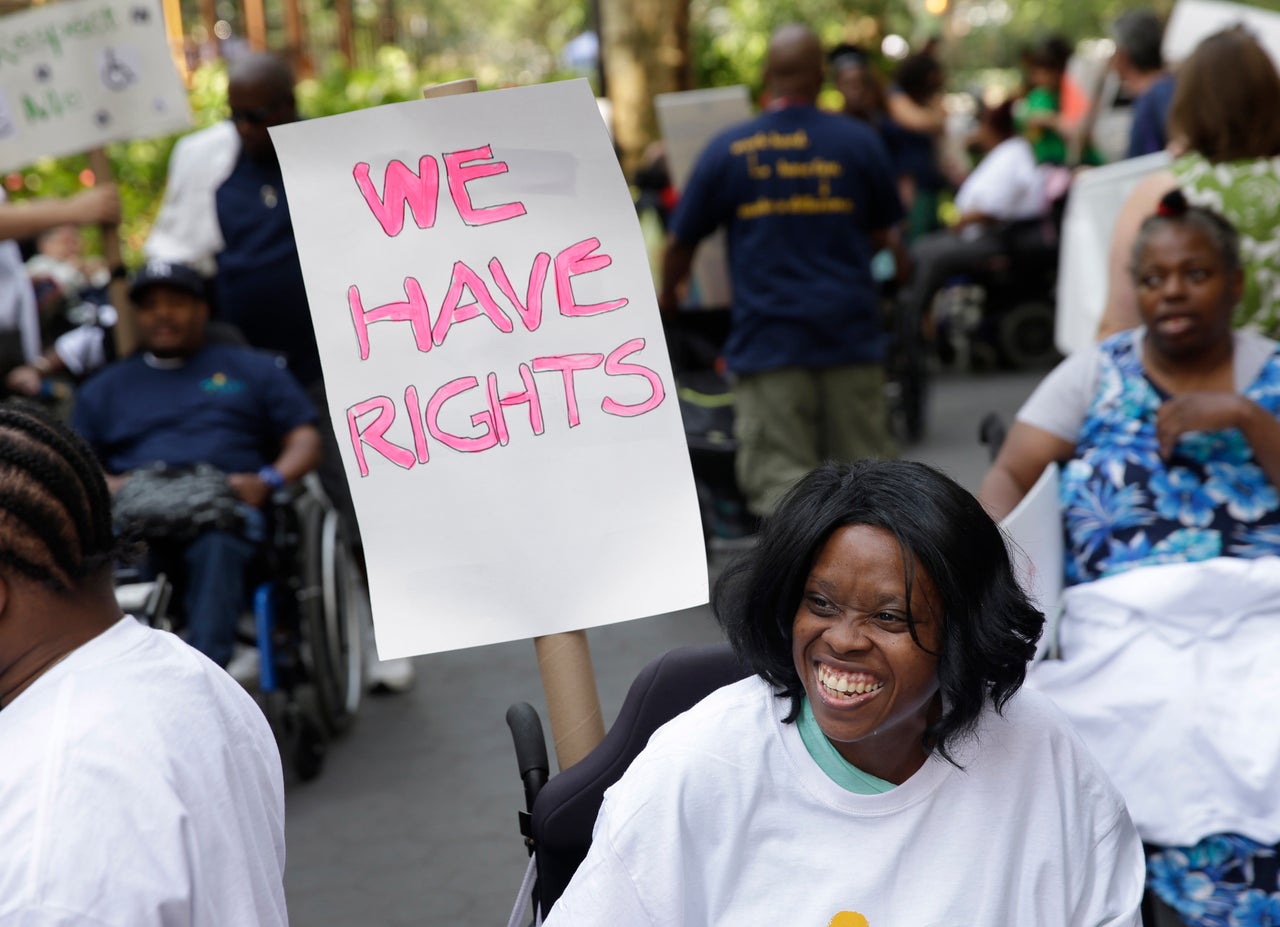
(838, 769)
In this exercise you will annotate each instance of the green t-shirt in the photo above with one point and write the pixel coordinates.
(1048, 144)
(838, 769)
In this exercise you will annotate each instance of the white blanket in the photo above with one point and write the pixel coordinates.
(1171, 674)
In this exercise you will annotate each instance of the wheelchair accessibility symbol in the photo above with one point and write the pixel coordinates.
(115, 69)
(8, 127)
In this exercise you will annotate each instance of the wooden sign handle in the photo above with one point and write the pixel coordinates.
(126, 332)
(564, 660)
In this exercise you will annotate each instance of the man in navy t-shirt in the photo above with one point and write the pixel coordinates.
(181, 401)
(806, 198)
(1139, 63)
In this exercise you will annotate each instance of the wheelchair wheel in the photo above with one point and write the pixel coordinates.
(1024, 335)
(334, 611)
(907, 377)
(302, 738)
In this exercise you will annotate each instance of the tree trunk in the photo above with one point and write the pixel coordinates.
(346, 32)
(645, 49)
(295, 38)
(255, 24)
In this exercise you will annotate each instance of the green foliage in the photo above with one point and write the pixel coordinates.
(729, 37)
(392, 79)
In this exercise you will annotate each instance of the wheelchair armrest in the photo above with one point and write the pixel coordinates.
(991, 433)
(531, 749)
(147, 600)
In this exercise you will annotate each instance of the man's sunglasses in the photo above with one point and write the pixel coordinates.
(257, 117)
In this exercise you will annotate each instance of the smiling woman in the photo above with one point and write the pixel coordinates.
(882, 741)
(867, 654)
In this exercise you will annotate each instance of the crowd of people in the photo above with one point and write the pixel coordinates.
(894, 702)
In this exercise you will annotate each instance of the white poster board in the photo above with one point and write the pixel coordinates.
(1194, 20)
(495, 367)
(78, 74)
(1033, 532)
(1085, 245)
(688, 120)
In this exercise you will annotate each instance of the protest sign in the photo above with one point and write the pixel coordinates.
(79, 74)
(1033, 534)
(495, 367)
(688, 121)
(1085, 245)
(1192, 21)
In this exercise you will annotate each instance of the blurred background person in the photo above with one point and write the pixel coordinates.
(1139, 63)
(1006, 186)
(806, 197)
(20, 341)
(1039, 114)
(916, 106)
(1229, 161)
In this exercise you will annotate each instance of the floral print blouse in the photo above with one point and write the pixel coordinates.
(1124, 506)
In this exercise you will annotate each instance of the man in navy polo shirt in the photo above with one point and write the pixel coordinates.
(226, 212)
(806, 198)
(181, 401)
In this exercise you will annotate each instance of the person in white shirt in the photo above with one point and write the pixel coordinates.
(19, 317)
(1006, 186)
(140, 785)
(882, 768)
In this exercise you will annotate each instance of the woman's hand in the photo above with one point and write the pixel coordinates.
(1198, 411)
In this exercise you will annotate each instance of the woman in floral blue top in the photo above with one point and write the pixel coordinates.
(1169, 440)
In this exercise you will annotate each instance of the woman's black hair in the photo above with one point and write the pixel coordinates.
(916, 76)
(1174, 209)
(848, 55)
(55, 511)
(989, 627)
(1052, 52)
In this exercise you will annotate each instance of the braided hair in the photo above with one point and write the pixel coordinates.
(1174, 209)
(55, 511)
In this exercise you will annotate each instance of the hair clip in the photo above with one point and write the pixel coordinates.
(1172, 205)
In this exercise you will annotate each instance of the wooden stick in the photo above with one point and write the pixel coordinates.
(126, 331)
(564, 660)
(573, 704)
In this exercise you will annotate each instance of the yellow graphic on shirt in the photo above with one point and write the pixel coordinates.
(770, 141)
(799, 204)
(848, 919)
(821, 170)
(756, 170)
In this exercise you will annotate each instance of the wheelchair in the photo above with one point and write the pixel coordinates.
(306, 618)
(1001, 312)
(907, 373)
(560, 811)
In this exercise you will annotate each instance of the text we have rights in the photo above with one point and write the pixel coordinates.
(480, 295)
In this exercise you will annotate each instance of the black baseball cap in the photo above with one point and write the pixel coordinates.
(163, 273)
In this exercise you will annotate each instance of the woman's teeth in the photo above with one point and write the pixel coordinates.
(847, 684)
